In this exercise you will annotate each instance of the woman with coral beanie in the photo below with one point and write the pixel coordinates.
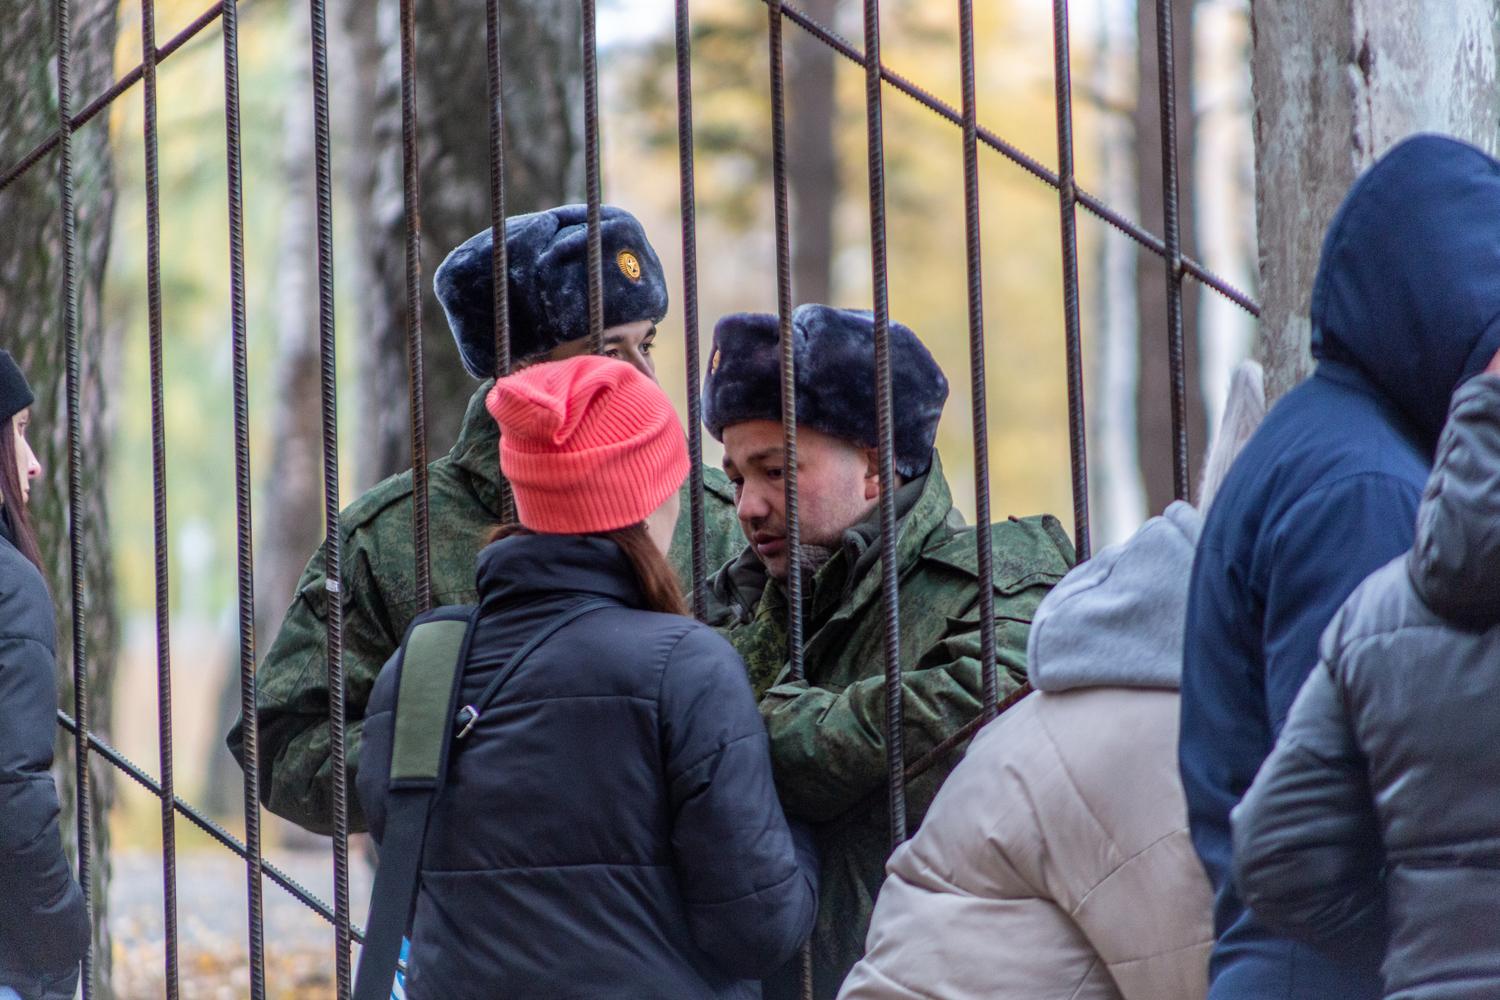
(608, 827)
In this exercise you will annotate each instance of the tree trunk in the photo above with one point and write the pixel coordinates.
(542, 57)
(1117, 496)
(812, 159)
(1335, 86)
(31, 316)
(1154, 392)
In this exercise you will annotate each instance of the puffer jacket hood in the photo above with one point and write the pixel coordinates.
(1117, 620)
(1408, 287)
(1455, 563)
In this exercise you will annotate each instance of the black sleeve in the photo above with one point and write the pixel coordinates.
(43, 927)
(749, 888)
(375, 770)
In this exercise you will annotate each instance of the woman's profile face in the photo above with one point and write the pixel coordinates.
(27, 467)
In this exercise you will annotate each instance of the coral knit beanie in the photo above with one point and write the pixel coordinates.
(589, 444)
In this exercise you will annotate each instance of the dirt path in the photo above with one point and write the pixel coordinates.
(213, 926)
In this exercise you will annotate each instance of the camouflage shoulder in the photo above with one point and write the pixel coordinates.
(1027, 551)
(367, 508)
(715, 482)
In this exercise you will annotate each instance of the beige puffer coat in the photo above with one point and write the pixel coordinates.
(1055, 864)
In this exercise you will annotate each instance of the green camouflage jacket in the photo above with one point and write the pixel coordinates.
(827, 731)
(379, 595)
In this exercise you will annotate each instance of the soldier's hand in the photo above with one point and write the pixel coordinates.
(1494, 368)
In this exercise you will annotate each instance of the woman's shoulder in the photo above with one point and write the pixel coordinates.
(25, 605)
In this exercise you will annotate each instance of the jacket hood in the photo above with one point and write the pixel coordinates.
(1455, 563)
(1408, 287)
(1117, 620)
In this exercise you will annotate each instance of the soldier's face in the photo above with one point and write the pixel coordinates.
(631, 343)
(837, 484)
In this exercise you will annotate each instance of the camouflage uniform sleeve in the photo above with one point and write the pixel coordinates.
(828, 747)
(292, 699)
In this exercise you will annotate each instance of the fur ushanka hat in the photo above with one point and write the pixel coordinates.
(547, 261)
(834, 351)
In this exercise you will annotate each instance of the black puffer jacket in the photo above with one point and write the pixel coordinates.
(1375, 823)
(43, 928)
(609, 829)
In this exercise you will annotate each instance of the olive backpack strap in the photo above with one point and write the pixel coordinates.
(427, 721)
(426, 693)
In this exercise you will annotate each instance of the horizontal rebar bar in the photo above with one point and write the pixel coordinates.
(1030, 164)
(107, 98)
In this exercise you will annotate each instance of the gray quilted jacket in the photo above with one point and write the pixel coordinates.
(1374, 826)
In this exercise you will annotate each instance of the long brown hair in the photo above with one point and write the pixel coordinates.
(14, 506)
(658, 580)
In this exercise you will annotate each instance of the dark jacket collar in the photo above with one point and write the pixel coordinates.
(526, 568)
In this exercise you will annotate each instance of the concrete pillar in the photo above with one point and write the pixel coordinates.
(1336, 83)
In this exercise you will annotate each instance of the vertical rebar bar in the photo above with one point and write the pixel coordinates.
(244, 550)
(591, 174)
(74, 372)
(159, 504)
(978, 389)
(333, 542)
(1068, 197)
(416, 377)
(1176, 359)
(794, 580)
(895, 743)
(499, 258)
(687, 201)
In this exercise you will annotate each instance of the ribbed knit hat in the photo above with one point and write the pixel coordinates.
(589, 444)
(15, 393)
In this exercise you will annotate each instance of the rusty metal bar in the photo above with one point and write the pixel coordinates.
(411, 201)
(794, 581)
(987, 656)
(107, 98)
(1172, 226)
(895, 743)
(687, 199)
(245, 553)
(499, 256)
(1032, 166)
(591, 172)
(159, 504)
(223, 837)
(1067, 198)
(333, 543)
(74, 375)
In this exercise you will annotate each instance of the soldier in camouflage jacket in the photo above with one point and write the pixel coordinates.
(547, 252)
(827, 730)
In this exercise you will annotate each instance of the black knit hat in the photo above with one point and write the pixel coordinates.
(547, 261)
(15, 394)
(834, 352)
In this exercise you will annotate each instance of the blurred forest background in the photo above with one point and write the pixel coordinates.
(1118, 151)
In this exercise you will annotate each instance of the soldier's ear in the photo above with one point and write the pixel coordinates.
(872, 474)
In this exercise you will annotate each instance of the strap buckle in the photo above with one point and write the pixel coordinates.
(467, 724)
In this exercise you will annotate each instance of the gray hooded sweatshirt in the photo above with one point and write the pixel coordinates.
(1055, 863)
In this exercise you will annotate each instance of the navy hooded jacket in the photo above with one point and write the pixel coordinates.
(609, 829)
(1405, 308)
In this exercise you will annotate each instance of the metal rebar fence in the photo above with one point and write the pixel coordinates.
(970, 136)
